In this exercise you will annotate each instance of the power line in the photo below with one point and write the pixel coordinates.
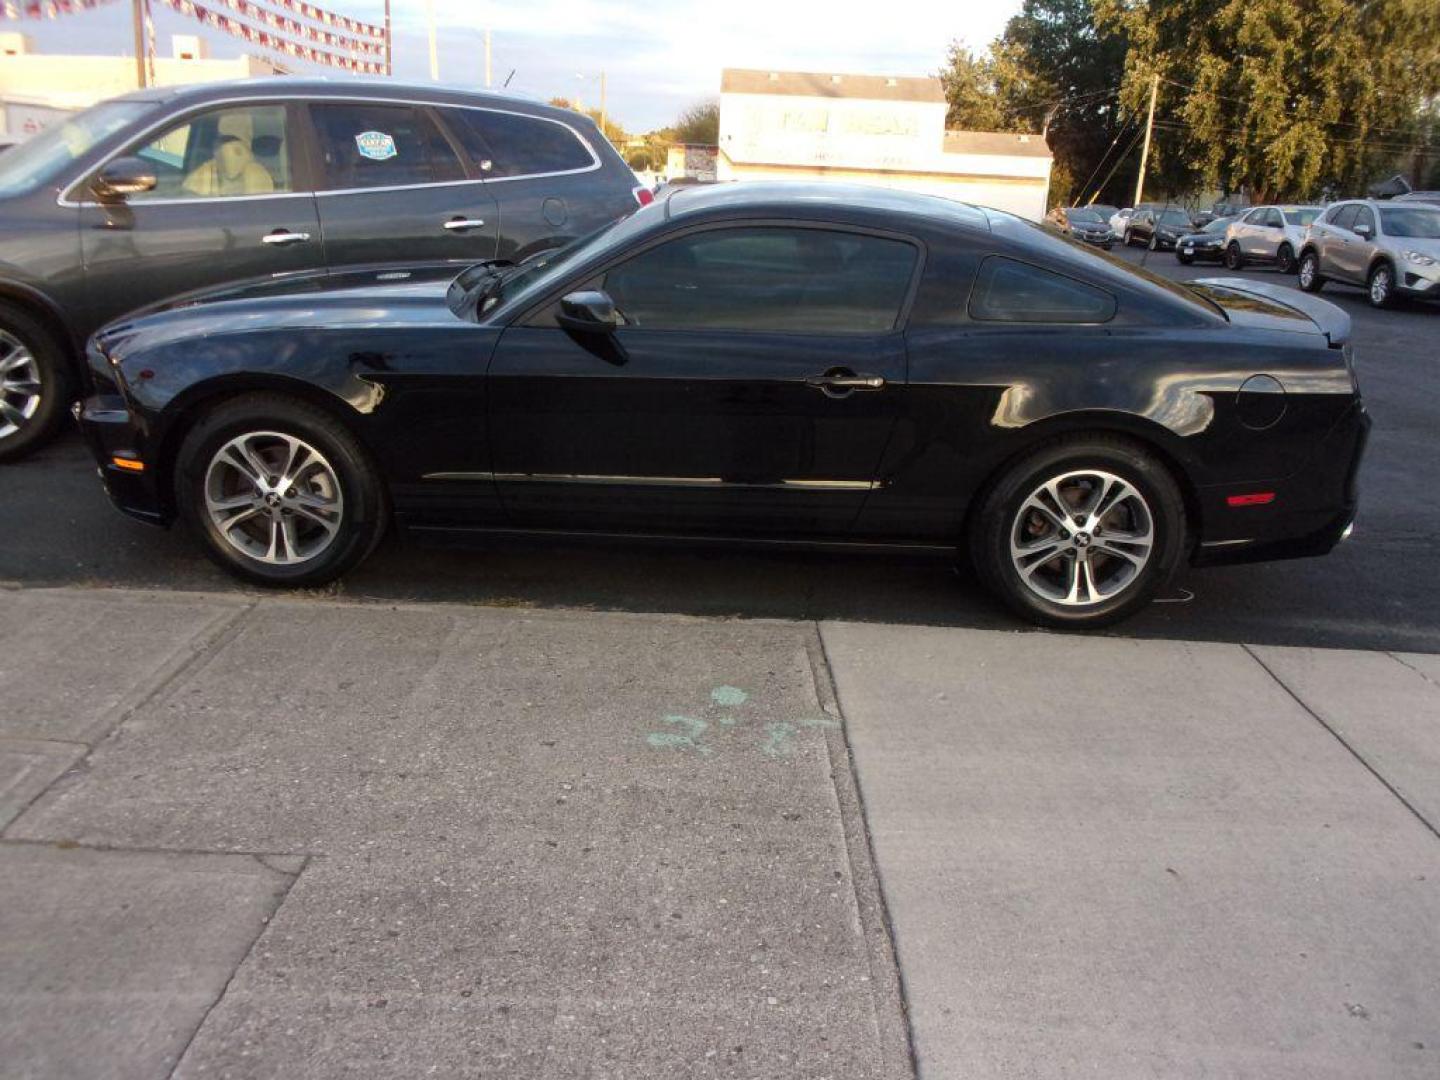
(1177, 125)
(1100, 164)
(1287, 112)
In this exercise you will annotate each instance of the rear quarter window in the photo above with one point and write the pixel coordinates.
(508, 144)
(1007, 290)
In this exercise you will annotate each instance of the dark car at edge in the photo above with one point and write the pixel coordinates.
(1204, 244)
(173, 189)
(762, 364)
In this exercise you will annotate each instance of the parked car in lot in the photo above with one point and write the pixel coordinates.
(1389, 248)
(762, 363)
(1081, 223)
(1119, 220)
(179, 188)
(1158, 228)
(1205, 244)
(1269, 234)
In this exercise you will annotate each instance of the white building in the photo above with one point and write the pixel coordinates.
(873, 129)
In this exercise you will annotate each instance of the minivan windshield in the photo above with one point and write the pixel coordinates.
(43, 157)
(1415, 222)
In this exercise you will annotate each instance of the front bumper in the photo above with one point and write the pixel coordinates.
(109, 431)
(1420, 282)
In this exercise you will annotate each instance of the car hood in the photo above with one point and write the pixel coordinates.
(1423, 246)
(1262, 306)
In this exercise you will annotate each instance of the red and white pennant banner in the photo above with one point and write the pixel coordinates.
(295, 28)
(273, 42)
(46, 9)
(330, 18)
(371, 38)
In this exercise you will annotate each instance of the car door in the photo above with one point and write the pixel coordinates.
(1270, 234)
(1362, 244)
(231, 203)
(750, 391)
(393, 188)
(1243, 232)
(1335, 237)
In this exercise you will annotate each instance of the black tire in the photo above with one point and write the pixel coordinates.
(1380, 285)
(23, 427)
(1234, 260)
(1128, 238)
(365, 506)
(1285, 259)
(1308, 272)
(1182, 258)
(998, 517)
(1154, 244)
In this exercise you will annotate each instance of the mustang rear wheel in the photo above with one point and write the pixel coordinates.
(33, 392)
(279, 492)
(1081, 533)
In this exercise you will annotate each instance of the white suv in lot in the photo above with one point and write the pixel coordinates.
(1269, 234)
(1389, 248)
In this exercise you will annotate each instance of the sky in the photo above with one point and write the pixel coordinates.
(659, 56)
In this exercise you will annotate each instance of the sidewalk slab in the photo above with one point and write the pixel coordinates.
(1123, 858)
(27, 768)
(541, 839)
(110, 960)
(72, 661)
(1384, 707)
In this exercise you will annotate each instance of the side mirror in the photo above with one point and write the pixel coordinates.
(588, 312)
(124, 176)
(1362, 230)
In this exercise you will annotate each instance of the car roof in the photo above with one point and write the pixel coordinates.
(785, 198)
(318, 87)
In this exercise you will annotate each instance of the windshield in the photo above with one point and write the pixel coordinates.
(1104, 211)
(1301, 215)
(43, 157)
(1089, 216)
(1174, 217)
(1219, 225)
(1415, 222)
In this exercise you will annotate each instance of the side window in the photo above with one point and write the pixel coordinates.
(507, 144)
(1254, 216)
(1364, 216)
(1274, 219)
(1342, 217)
(789, 280)
(238, 151)
(368, 146)
(1010, 291)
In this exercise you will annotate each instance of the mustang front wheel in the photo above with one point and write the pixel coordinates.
(1080, 534)
(280, 493)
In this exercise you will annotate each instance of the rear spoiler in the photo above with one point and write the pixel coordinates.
(1331, 320)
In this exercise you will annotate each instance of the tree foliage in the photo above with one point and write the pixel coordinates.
(699, 124)
(1287, 98)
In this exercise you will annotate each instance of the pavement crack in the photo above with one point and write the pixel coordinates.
(1406, 663)
(1429, 826)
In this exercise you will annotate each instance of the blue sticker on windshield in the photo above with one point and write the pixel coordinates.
(376, 145)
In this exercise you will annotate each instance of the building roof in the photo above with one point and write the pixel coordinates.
(824, 84)
(995, 142)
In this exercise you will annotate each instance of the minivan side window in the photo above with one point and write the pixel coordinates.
(508, 144)
(789, 280)
(225, 152)
(1007, 290)
(1364, 216)
(369, 146)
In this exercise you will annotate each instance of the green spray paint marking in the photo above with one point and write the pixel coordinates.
(820, 721)
(662, 740)
(729, 697)
(781, 743)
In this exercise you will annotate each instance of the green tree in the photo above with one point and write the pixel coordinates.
(969, 83)
(699, 124)
(1287, 98)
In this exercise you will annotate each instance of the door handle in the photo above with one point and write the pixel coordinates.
(463, 224)
(839, 382)
(282, 237)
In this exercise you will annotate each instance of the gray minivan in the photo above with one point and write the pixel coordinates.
(176, 189)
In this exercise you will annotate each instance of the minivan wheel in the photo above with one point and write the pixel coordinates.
(1285, 259)
(1309, 273)
(1081, 533)
(279, 493)
(33, 386)
(1381, 285)
(1233, 259)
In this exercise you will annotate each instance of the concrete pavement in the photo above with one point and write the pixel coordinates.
(258, 836)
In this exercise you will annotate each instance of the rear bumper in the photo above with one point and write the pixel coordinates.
(109, 432)
(1312, 511)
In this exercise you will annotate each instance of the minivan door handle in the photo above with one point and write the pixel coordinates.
(463, 224)
(282, 237)
(840, 382)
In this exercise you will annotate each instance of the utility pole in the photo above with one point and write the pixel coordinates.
(487, 58)
(139, 43)
(434, 48)
(389, 55)
(1149, 126)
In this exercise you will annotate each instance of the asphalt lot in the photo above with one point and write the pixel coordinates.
(1378, 591)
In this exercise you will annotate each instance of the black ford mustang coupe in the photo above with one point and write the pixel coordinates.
(758, 363)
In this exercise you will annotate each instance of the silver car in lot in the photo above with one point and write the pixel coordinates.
(1391, 249)
(1269, 234)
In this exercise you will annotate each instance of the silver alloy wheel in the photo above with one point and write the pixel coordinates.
(1380, 285)
(1307, 271)
(20, 388)
(1082, 538)
(274, 498)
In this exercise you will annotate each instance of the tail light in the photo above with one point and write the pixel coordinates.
(643, 195)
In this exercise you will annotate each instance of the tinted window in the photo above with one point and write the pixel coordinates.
(782, 279)
(1010, 291)
(367, 146)
(1274, 220)
(1409, 221)
(505, 144)
(40, 158)
(1255, 217)
(1366, 217)
(236, 151)
(1343, 216)
(1175, 217)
